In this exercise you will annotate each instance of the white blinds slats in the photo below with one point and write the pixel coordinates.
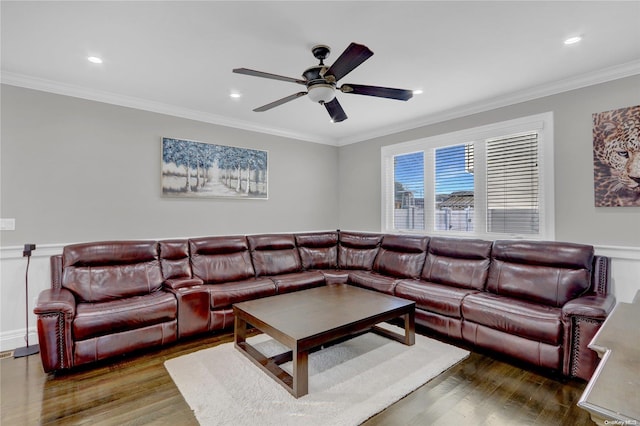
(513, 190)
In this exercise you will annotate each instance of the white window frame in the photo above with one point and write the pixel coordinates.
(541, 123)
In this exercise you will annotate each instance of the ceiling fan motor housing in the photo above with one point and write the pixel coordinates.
(319, 89)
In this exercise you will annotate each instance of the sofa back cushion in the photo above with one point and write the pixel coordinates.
(318, 250)
(357, 250)
(550, 273)
(220, 259)
(103, 271)
(274, 254)
(401, 256)
(174, 259)
(457, 262)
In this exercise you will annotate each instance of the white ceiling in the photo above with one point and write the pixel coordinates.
(176, 57)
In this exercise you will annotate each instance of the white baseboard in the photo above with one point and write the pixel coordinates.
(13, 339)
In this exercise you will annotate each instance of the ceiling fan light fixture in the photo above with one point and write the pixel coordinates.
(322, 93)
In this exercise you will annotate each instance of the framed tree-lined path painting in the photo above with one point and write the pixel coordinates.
(197, 169)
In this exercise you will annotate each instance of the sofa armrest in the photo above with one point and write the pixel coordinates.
(55, 309)
(55, 300)
(178, 283)
(193, 305)
(582, 318)
(590, 306)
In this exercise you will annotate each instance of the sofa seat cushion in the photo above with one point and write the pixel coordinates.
(514, 316)
(101, 318)
(373, 281)
(335, 276)
(298, 281)
(224, 295)
(432, 297)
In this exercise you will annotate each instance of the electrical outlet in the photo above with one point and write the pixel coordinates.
(7, 224)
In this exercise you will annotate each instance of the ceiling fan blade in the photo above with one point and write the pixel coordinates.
(335, 111)
(254, 73)
(279, 102)
(353, 56)
(381, 92)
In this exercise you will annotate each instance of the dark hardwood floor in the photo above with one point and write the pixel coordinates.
(137, 390)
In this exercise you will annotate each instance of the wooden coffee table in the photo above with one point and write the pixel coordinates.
(307, 319)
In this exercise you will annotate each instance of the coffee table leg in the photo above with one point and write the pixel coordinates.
(410, 328)
(300, 373)
(239, 330)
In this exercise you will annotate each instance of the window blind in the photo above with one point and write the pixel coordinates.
(513, 190)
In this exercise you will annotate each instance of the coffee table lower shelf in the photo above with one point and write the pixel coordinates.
(299, 387)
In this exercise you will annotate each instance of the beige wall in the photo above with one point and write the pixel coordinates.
(76, 170)
(576, 218)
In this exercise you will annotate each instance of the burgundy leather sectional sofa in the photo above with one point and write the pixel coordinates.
(538, 302)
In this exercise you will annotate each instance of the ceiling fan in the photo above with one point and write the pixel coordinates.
(320, 81)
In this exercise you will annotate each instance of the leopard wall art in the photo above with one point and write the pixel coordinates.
(616, 157)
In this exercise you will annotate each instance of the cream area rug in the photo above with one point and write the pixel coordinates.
(348, 383)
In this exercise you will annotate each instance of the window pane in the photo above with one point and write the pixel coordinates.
(408, 177)
(454, 188)
(512, 184)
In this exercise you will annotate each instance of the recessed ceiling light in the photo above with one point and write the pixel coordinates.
(572, 40)
(94, 60)
(235, 95)
(417, 92)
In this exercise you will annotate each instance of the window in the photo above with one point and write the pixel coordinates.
(490, 182)
(408, 187)
(454, 188)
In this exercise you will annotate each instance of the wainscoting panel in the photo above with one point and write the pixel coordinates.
(12, 291)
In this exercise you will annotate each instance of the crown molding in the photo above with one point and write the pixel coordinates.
(583, 80)
(35, 83)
